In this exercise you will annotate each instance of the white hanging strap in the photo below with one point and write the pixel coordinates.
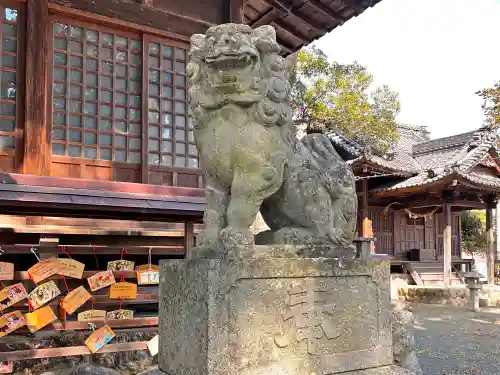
(149, 259)
(92, 326)
(35, 254)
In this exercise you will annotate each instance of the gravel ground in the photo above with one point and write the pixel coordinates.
(454, 341)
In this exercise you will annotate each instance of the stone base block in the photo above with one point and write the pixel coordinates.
(296, 316)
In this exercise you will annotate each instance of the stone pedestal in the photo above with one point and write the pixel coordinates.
(275, 316)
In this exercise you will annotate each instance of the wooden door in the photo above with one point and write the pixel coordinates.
(383, 226)
(399, 234)
(430, 234)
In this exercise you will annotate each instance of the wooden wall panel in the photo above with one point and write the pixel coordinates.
(399, 233)
(383, 227)
(64, 169)
(7, 164)
(430, 233)
(455, 234)
(97, 172)
(187, 180)
(161, 178)
(130, 173)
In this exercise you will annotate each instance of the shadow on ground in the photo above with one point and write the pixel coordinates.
(454, 341)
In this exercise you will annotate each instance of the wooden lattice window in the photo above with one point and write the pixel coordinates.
(170, 130)
(97, 87)
(8, 77)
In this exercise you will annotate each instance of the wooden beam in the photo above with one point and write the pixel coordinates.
(70, 351)
(447, 245)
(188, 239)
(327, 11)
(266, 18)
(37, 152)
(112, 186)
(285, 47)
(414, 274)
(280, 10)
(165, 250)
(438, 184)
(132, 16)
(490, 243)
(142, 298)
(420, 203)
(278, 24)
(357, 6)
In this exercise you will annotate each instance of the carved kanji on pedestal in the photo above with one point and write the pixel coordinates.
(313, 320)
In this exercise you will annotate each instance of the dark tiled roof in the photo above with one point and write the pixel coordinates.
(482, 178)
(414, 153)
(399, 158)
(352, 148)
(418, 180)
(437, 159)
(443, 143)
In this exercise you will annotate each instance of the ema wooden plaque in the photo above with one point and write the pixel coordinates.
(40, 318)
(10, 322)
(11, 295)
(99, 338)
(71, 268)
(153, 345)
(101, 280)
(120, 315)
(92, 316)
(123, 290)
(6, 272)
(74, 299)
(148, 277)
(120, 265)
(43, 294)
(148, 267)
(6, 367)
(44, 269)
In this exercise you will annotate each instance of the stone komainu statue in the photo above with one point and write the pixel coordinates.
(252, 160)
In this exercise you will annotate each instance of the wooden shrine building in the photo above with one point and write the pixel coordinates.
(415, 193)
(97, 153)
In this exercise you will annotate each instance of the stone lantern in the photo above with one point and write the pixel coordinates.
(474, 286)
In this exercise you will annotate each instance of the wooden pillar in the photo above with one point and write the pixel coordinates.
(188, 239)
(145, 118)
(447, 245)
(490, 243)
(37, 150)
(234, 12)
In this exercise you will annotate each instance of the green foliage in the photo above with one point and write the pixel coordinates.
(491, 103)
(473, 226)
(336, 96)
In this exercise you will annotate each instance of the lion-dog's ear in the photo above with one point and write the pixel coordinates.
(264, 38)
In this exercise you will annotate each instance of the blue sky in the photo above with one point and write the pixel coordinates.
(435, 53)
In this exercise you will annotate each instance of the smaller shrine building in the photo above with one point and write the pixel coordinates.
(415, 193)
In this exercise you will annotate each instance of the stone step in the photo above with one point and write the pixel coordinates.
(417, 266)
(437, 275)
(440, 283)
